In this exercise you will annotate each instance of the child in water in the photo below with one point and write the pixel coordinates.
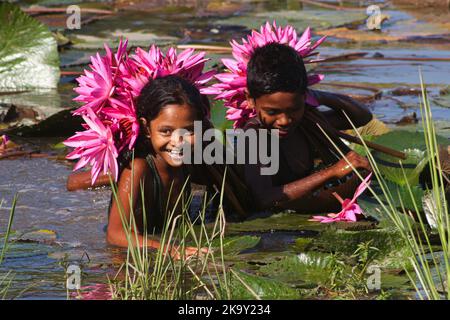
(276, 90)
(164, 107)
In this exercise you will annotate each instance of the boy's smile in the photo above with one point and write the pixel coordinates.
(279, 110)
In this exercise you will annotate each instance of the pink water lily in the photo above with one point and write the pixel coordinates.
(232, 84)
(98, 291)
(97, 86)
(3, 141)
(350, 208)
(108, 92)
(95, 147)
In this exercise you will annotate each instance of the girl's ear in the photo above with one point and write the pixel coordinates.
(250, 100)
(145, 125)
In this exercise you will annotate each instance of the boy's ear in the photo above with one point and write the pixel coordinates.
(250, 100)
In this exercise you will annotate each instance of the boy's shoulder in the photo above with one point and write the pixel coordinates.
(253, 123)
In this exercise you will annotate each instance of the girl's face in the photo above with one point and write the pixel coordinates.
(171, 130)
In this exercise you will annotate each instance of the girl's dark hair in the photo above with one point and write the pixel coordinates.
(154, 97)
(274, 68)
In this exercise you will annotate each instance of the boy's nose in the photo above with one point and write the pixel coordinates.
(284, 121)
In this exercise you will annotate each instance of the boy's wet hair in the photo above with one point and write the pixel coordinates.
(274, 68)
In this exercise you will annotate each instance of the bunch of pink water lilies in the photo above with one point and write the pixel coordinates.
(232, 84)
(108, 92)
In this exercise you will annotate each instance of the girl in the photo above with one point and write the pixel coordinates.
(164, 106)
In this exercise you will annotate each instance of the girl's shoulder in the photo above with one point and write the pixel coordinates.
(139, 166)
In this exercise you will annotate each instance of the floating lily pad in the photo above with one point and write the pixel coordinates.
(300, 19)
(142, 39)
(280, 221)
(27, 48)
(234, 245)
(385, 240)
(40, 236)
(305, 269)
(263, 287)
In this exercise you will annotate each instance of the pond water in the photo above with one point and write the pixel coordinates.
(78, 218)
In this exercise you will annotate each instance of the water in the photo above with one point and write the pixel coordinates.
(78, 218)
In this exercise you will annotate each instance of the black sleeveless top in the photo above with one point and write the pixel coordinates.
(154, 216)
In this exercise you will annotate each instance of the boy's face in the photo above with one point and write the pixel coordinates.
(279, 110)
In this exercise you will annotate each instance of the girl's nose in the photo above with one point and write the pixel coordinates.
(177, 137)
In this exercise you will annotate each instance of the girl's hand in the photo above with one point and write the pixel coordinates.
(343, 168)
(188, 252)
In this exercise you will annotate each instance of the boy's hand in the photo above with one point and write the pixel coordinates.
(342, 167)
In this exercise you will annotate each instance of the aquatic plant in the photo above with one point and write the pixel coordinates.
(167, 272)
(6, 279)
(431, 266)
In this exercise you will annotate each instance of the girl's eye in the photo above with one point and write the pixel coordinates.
(271, 112)
(166, 132)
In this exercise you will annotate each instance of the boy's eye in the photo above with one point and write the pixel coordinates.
(271, 112)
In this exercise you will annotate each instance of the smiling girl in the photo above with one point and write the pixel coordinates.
(165, 107)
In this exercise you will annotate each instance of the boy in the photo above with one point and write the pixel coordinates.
(276, 89)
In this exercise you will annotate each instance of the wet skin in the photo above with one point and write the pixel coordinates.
(163, 134)
(284, 111)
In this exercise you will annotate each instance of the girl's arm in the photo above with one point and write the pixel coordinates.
(357, 112)
(82, 180)
(129, 184)
(289, 196)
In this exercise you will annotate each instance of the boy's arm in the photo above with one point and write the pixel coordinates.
(357, 112)
(268, 196)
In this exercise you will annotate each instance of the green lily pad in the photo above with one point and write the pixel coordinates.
(27, 48)
(443, 100)
(413, 144)
(346, 242)
(279, 221)
(402, 172)
(404, 140)
(306, 269)
(300, 19)
(234, 245)
(263, 287)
